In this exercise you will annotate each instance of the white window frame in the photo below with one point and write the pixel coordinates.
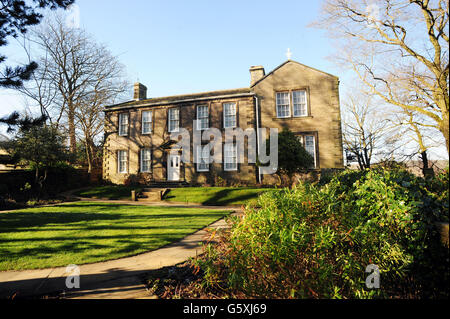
(149, 122)
(120, 160)
(277, 105)
(314, 147)
(149, 160)
(205, 118)
(177, 120)
(123, 123)
(299, 104)
(202, 159)
(226, 156)
(225, 115)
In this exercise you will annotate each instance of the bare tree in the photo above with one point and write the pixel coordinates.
(364, 128)
(397, 48)
(413, 128)
(89, 109)
(38, 89)
(76, 78)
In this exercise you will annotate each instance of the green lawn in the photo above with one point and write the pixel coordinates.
(86, 232)
(108, 192)
(219, 196)
(215, 195)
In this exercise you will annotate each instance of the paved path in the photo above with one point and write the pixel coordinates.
(120, 278)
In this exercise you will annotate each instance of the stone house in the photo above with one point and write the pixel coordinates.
(293, 95)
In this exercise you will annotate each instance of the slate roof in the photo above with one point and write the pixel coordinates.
(180, 98)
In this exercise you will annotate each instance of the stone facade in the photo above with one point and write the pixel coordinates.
(322, 121)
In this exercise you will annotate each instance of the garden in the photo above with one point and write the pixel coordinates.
(316, 240)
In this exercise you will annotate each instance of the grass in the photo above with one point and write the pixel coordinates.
(219, 196)
(215, 195)
(86, 232)
(109, 192)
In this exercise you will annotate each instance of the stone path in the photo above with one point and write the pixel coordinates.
(120, 278)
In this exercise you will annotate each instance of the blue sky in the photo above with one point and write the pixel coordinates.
(190, 46)
(176, 47)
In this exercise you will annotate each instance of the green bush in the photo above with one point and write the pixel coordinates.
(316, 241)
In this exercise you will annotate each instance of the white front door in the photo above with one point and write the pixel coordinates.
(173, 167)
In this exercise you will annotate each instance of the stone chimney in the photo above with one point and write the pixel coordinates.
(140, 91)
(256, 73)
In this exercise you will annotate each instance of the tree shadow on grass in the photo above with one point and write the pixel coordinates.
(163, 229)
(13, 222)
(220, 198)
(90, 249)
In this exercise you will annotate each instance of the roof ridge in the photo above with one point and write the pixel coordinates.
(198, 93)
(187, 95)
(287, 61)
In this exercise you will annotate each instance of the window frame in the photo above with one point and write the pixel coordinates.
(290, 92)
(199, 119)
(119, 161)
(234, 146)
(314, 147)
(200, 150)
(141, 161)
(306, 102)
(120, 117)
(224, 116)
(302, 137)
(144, 122)
(169, 120)
(289, 104)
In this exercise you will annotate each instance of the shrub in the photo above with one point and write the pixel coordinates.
(316, 241)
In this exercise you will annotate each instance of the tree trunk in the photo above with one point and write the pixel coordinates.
(444, 129)
(358, 157)
(88, 155)
(92, 151)
(426, 171)
(36, 174)
(72, 137)
(366, 158)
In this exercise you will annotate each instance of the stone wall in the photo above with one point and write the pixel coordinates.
(160, 135)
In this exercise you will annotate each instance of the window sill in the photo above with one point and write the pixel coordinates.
(293, 117)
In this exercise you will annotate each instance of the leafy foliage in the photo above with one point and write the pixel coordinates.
(316, 241)
(292, 157)
(24, 123)
(40, 146)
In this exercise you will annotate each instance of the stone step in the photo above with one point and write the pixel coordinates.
(152, 194)
(167, 184)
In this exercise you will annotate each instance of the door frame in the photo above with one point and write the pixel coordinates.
(169, 170)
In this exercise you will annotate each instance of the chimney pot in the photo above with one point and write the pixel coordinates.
(140, 91)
